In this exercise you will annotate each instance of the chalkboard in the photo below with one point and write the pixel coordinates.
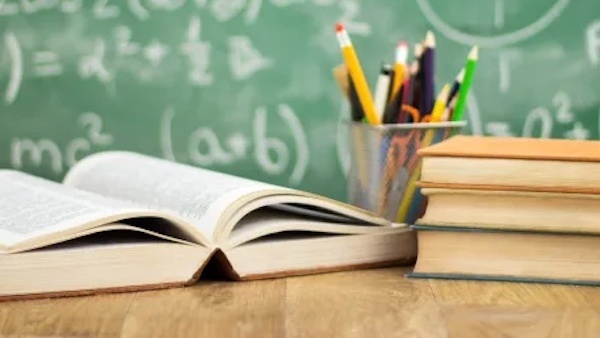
(245, 86)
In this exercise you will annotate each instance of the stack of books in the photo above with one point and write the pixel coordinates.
(502, 208)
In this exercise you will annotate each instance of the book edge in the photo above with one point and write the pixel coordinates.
(500, 278)
(452, 228)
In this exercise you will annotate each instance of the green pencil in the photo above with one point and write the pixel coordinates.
(466, 84)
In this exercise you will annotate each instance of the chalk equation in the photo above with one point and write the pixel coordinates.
(245, 59)
(272, 155)
(119, 51)
(540, 121)
(28, 151)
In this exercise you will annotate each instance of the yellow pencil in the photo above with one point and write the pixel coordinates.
(356, 73)
(440, 104)
(399, 67)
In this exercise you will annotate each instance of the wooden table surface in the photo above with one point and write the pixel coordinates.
(369, 303)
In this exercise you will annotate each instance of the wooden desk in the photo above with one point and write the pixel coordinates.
(372, 303)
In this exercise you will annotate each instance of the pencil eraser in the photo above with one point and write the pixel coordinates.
(339, 27)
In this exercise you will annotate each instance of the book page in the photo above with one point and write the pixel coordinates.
(31, 207)
(198, 195)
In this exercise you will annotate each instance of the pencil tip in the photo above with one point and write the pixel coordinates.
(339, 27)
(429, 39)
(461, 75)
(474, 54)
(418, 49)
(401, 52)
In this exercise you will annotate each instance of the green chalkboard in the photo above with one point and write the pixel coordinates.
(245, 86)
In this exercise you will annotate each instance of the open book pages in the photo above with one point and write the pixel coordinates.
(215, 203)
(129, 221)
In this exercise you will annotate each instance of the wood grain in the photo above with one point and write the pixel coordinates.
(369, 303)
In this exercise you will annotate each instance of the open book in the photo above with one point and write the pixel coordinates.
(125, 221)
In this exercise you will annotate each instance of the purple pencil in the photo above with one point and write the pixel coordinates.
(428, 86)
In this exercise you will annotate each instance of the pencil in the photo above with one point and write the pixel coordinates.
(356, 110)
(399, 66)
(455, 86)
(413, 82)
(382, 89)
(392, 111)
(446, 115)
(466, 84)
(356, 73)
(428, 73)
(440, 104)
(340, 74)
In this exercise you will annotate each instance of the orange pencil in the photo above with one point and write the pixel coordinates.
(356, 73)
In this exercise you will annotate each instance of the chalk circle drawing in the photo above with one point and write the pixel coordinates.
(492, 41)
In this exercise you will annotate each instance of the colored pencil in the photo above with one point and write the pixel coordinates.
(411, 98)
(428, 74)
(440, 104)
(382, 89)
(356, 73)
(392, 111)
(455, 86)
(466, 83)
(400, 66)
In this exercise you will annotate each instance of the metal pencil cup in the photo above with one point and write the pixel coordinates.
(384, 166)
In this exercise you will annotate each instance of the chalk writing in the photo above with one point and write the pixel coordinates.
(46, 63)
(506, 60)
(224, 10)
(136, 7)
(350, 13)
(593, 42)
(273, 155)
(33, 6)
(166, 5)
(92, 65)
(499, 13)
(103, 10)
(206, 138)
(166, 144)
(198, 53)
(16, 67)
(244, 59)
(539, 115)
(124, 45)
(155, 52)
(578, 132)
(238, 144)
(562, 102)
(36, 151)
(71, 6)
(498, 129)
(265, 145)
(302, 155)
(8, 7)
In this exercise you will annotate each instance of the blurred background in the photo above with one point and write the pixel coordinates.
(246, 87)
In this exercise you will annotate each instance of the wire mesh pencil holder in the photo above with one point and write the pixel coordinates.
(384, 166)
